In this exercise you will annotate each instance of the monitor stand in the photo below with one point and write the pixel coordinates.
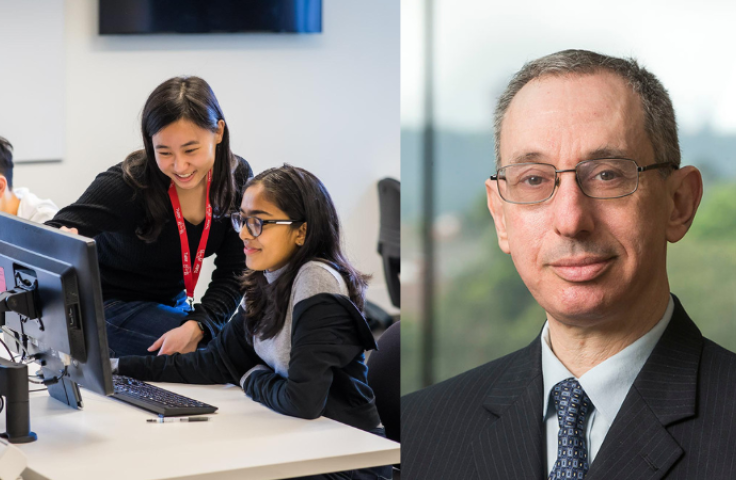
(65, 390)
(14, 387)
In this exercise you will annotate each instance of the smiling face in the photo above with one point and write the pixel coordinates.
(276, 244)
(185, 152)
(583, 259)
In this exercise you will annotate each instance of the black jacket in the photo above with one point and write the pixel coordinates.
(678, 421)
(327, 372)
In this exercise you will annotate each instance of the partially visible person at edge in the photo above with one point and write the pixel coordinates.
(298, 343)
(156, 215)
(20, 201)
(620, 383)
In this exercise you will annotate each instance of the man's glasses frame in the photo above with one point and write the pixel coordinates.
(255, 224)
(639, 170)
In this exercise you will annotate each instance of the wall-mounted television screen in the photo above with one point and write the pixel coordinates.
(119, 17)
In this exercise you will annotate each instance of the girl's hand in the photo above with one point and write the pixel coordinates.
(183, 339)
(70, 230)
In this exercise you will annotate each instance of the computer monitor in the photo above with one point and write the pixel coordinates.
(52, 301)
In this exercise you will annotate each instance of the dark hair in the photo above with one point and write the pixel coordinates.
(659, 115)
(6, 161)
(189, 98)
(303, 197)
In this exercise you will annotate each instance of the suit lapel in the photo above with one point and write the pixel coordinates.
(664, 392)
(511, 446)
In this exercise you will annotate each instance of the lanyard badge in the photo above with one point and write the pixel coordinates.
(191, 272)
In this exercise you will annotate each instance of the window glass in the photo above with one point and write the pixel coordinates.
(483, 310)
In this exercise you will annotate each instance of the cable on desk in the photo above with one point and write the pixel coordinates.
(52, 380)
(8, 349)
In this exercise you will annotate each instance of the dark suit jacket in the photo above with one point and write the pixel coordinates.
(678, 421)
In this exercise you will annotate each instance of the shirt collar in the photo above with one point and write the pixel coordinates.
(608, 383)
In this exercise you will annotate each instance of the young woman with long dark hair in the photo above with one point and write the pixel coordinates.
(298, 344)
(157, 214)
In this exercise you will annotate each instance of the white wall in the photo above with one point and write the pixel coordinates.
(33, 93)
(326, 102)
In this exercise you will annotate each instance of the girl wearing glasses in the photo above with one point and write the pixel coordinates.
(156, 215)
(298, 344)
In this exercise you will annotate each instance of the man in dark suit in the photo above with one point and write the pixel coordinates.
(620, 384)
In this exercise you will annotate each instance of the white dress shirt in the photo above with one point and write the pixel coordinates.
(32, 208)
(606, 384)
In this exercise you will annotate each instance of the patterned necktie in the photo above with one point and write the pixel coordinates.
(573, 410)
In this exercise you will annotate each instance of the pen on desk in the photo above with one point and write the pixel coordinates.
(183, 419)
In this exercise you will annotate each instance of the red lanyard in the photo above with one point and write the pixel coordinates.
(191, 275)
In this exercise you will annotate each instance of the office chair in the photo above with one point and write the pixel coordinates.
(389, 236)
(384, 377)
(384, 367)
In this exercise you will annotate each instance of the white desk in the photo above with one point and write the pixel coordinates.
(111, 440)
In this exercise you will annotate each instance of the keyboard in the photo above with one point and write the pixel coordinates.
(155, 399)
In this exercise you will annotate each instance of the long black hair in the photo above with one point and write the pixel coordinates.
(189, 98)
(303, 197)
